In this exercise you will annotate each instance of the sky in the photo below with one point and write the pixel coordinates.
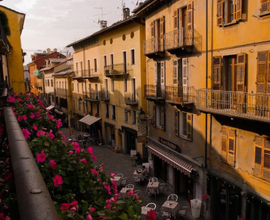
(57, 23)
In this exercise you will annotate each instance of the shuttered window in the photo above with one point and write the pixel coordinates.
(265, 6)
(262, 157)
(190, 23)
(228, 145)
(228, 11)
(216, 79)
(159, 117)
(263, 72)
(184, 125)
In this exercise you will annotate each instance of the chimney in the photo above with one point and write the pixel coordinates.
(103, 24)
(126, 13)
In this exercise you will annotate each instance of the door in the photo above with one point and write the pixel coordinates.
(133, 88)
(185, 78)
(96, 91)
(125, 61)
(105, 88)
(157, 35)
(130, 138)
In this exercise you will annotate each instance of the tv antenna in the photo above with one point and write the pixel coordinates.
(101, 8)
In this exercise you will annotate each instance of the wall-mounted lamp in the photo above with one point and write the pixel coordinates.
(141, 115)
(80, 99)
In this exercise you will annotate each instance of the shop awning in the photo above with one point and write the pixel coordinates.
(50, 107)
(170, 159)
(89, 120)
(58, 112)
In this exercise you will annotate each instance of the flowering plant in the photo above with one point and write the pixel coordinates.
(78, 189)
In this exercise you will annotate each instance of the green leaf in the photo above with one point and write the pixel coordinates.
(131, 211)
(124, 216)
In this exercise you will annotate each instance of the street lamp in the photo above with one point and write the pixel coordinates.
(141, 115)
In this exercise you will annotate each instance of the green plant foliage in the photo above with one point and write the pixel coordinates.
(4, 22)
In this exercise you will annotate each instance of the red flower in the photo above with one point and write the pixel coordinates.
(41, 157)
(57, 180)
(151, 215)
(53, 164)
(73, 203)
(65, 206)
(26, 133)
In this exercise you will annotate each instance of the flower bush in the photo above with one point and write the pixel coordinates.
(78, 189)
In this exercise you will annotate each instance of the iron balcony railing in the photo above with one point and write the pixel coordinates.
(179, 94)
(34, 200)
(130, 99)
(92, 73)
(38, 84)
(153, 45)
(179, 38)
(234, 104)
(104, 95)
(120, 69)
(154, 92)
(91, 96)
(61, 92)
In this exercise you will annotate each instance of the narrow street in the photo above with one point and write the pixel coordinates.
(121, 163)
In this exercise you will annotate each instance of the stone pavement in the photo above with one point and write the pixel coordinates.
(121, 163)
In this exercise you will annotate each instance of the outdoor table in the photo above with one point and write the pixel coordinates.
(154, 186)
(139, 175)
(117, 180)
(124, 191)
(144, 210)
(171, 207)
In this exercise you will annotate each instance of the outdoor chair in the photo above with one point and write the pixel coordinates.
(172, 197)
(120, 175)
(130, 186)
(151, 205)
(123, 181)
(153, 179)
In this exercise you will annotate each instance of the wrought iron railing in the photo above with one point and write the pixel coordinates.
(178, 94)
(104, 95)
(153, 45)
(130, 99)
(38, 84)
(117, 69)
(239, 104)
(154, 92)
(91, 96)
(179, 38)
(89, 73)
(61, 92)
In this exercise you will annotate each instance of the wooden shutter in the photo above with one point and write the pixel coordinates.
(175, 19)
(241, 70)
(154, 115)
(185, 78)
(175, 72)
(224, 144)
(175, 29)
(238, 12)
(220, 12)
(264, 6)
(268, 73)
(176, 123)
(190, 28)
(217, 62)
(258, 156)
(189, 126)
(266, 159)
(231, 147)
(261, 71)
(162, 32)
(152, 29)
(162, 121)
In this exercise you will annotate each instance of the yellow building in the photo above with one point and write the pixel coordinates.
(11, 50)
(222, 93)
(110, 77)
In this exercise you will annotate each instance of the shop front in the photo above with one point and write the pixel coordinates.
(110, 135)
(130, 136)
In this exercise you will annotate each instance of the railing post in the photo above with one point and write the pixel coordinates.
(34, 200)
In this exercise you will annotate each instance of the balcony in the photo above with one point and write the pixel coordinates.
(61, 92)
(78, 75)
(155, 93)
(90, 74)
(91, 96)
(180, 96)
(117, 70)
(130, 99)
(154, 47)
(104, 96)
(234, 104)
(38, 85)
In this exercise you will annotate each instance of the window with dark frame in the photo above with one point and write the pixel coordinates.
(95, 65)
(113, 112)
(132, 56)
(107, 111)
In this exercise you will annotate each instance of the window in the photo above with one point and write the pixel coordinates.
(77, 68)
(126, 115)
(133, 117)
(72, 86)
(263, 72)
(232, 76)
(77, 87)
(265, 6)
(113, 112)
(112, 63)
(159, 117)
(228, 145)
(262, 157)
(105, 60)
(79, 104)
(183, 125)
(112, 85)
(95, 65)
(107, 111)
(125, 85)
(228, 11)
(51, 83)
(132, 53)
(97, 113)
(91, 108)
(88, 65)
(83, 106)
(82, 88)
(157, 32)
(73, 104)
(81, 68)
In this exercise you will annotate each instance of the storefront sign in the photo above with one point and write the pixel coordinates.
(142, 139)
(170, 144)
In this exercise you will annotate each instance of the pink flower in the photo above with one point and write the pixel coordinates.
(32, 115)
(38, 114)
(24, 117)
(92, 209)
(83, 161)
(51, 135)
(112, 175)
(76, 147)
(34, 127)
(53, 164)
(151, 215)
(11, 99)
(73, 209)
(41, 133)
(19, 118)
(65, 206)
(2, 215)
(19, 99)
(58, 123)
(70, 152)
(90, 150)
(7, 217)
(94, 157)
(30, 106)
(26, 133)
(57, 180)
(41, 157)
(50, 116)
(101, 169)
(108, 206)
(94, 171)
(89, 217)
(130, 192)
(73, 203)
(27, 98)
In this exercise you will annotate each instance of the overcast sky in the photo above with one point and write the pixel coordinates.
(57, 23)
